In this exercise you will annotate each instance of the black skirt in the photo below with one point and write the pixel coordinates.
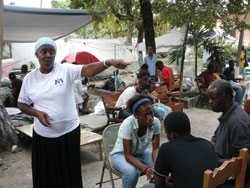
(56, 161)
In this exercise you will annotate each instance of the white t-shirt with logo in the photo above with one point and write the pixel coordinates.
(53, 93)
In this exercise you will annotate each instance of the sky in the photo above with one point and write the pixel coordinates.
(30, 3)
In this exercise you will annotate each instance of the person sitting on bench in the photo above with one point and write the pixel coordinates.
(127, 94)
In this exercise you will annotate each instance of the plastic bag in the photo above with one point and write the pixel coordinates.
(99, 109)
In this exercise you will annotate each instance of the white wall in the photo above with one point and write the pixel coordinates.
(25, 52)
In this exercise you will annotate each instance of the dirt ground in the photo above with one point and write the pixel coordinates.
(15, 170)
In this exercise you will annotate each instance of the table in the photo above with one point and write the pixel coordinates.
(87, 137)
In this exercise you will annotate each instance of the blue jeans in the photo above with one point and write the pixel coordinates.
(240, 91)
(161, 110)
(149, 185)
(130, 173)
(124, 114)
(243, 73)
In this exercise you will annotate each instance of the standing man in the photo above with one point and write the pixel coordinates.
(233, 132)
(166, 73)
(239, 88)
(150, 59)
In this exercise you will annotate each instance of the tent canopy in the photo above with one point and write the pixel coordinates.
(172, 39)
(25, 24)
(8, 65)
(81, 58)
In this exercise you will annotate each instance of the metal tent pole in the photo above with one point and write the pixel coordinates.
(1, 37)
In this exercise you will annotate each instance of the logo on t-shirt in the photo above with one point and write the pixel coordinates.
(58, 82)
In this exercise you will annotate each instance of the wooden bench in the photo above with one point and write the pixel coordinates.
(87, 137)
(163, 92)
(112, 112)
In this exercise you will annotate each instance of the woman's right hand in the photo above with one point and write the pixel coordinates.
(149, 173)
(43, 118)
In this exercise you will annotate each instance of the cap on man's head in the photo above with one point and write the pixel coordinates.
(42, 41)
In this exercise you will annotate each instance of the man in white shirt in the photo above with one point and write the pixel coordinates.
(127, 94)
(81, 97)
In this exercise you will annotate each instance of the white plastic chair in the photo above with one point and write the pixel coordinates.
(109, 137)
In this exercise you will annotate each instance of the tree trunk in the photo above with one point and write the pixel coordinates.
(8, 136)
(129, 33)
(240, 44)
(140, 40)
(184, 46)
(196, 60)
(1, 37)
(239, 48)
(148, 24)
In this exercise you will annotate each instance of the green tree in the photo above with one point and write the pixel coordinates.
(85, 32)
(197, 15)
(233, 15)
(218, 53)
(122, 17)
(61, 4)
(196, 40)
(126, 18)
(205, 14)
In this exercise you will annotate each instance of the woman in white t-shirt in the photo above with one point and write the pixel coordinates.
(56, 135)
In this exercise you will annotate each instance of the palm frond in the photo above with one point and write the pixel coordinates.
(175, 54)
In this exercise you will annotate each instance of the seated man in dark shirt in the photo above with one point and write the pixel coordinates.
(186, 157)
(239, 88)
(207, 75)
(233, 132)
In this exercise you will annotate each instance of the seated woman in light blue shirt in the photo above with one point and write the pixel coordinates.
(131, 154)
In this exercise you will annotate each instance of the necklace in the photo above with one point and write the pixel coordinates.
(141, 131)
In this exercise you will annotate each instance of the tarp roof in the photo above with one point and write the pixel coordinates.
(26, 24)
(172, 39)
